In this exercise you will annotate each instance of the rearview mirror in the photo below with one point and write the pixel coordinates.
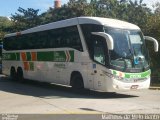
(156, 45)
(109, 39)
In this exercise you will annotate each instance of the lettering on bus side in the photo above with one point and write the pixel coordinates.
(60, 65)
(6, 56)
(135, 76)
(59, 56)
(9, 56)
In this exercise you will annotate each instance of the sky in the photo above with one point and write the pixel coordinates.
(8, 7)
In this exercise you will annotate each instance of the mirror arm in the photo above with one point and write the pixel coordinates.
(109, 39)
(156, 45)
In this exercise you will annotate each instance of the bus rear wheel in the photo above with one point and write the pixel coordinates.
(20, 74)
(77, 82)
(13, 75)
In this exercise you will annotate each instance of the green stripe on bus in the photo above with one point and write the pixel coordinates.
(54, 56)
(18, 56)
(28, 56)
(147, 73)
(59, 56)
(138, 75)
(45, 56)
(133, 75)
(72, 56)
(9, 56)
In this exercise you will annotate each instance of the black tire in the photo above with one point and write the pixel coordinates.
(77, 82)
(13, 75)
(20, 74)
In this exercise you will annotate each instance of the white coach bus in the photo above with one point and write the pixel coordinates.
(95, 53)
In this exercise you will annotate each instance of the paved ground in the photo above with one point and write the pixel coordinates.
(41, 98)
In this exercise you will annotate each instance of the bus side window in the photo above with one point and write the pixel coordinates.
(99, 50)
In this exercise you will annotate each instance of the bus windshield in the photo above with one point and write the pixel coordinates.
(129, 49)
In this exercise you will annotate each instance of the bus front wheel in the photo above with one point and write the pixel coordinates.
(77, 82)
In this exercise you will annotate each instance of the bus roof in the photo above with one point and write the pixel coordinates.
(80, 20)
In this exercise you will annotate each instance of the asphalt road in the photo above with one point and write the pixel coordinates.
(41, 98)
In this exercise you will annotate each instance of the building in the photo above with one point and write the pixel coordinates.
(57, 3)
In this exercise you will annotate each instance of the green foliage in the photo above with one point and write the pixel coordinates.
(152, 29)
(5, 25)
(4, 22)
(1, 35)
(72, 9)
(25, 19)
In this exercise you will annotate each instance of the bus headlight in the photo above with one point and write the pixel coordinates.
(110, 75)
(118, 78)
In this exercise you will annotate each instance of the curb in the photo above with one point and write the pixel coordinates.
(154, 88)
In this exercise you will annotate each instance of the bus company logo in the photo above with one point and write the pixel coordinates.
(59, 57)
(56, 54)
(62, 56)
(135, 76)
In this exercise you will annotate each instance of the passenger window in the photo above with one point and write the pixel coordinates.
(54, 38)
(99, 50)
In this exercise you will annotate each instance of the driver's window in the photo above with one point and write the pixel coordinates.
(99, 54)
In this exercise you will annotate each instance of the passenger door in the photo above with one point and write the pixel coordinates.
(99, 57)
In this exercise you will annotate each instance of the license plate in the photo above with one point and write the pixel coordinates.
(134, 87)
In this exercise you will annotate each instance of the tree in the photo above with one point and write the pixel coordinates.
(5, 26)
(4, 22)
(157, 9)
(151, 28)
(25, 19)
(139, 13)
(74, 8)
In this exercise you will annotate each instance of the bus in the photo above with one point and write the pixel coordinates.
(100, 54)
(1, 46)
